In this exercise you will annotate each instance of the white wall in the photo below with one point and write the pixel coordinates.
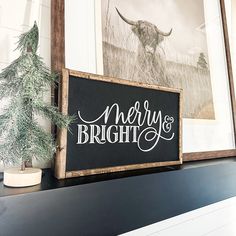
(80, 50)
(16, 17)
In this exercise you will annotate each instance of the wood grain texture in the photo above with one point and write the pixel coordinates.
(60, 162)
(181, 126)
(229, 63)
(57, 48)
(57, 35)
(71, 174)
(57, 51)
(197, 156)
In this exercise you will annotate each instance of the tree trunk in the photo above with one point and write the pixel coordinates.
(22, 165)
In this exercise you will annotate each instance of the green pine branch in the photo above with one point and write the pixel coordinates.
(52, 113)
(23, 83)
(28, 42)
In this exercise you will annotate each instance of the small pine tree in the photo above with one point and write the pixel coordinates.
(23, 83)
(202, 61)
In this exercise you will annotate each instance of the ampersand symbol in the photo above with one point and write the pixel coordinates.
(167, 124)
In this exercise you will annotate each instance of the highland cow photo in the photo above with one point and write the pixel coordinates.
(160, 42)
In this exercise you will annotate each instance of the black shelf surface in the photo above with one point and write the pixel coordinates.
(115, 203)
(49, 182)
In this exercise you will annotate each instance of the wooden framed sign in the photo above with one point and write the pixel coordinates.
(120, 125)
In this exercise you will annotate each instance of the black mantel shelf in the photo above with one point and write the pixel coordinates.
(115, 204)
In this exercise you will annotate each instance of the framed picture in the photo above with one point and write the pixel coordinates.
(139, 41)
(140, 129)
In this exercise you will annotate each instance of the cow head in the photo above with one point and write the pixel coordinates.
(148, 34)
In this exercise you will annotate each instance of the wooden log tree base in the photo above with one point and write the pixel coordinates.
(15, 177)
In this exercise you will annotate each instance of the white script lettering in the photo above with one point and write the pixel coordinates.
(139, 125)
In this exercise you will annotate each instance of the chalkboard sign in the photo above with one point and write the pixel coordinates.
(120, 125)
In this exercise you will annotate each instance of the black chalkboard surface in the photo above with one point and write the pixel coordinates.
(121, 125)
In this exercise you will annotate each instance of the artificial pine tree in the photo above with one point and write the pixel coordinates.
(23, 83)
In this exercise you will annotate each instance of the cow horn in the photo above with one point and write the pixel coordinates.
(130, 22)
(164, 34)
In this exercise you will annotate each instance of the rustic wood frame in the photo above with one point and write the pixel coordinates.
(58, 62)
(60, 161)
